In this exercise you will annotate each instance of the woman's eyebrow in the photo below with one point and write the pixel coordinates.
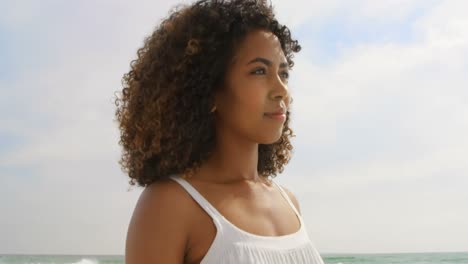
(266, 62)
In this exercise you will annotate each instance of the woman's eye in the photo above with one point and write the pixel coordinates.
(259, 71)
(284, 75)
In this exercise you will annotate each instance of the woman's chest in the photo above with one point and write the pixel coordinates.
(263, 215)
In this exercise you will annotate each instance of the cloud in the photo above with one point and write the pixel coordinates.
(381, 137)
(380, 123)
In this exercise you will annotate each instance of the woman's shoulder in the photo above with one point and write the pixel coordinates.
(159, 222)
(162, 190)
(164, 199)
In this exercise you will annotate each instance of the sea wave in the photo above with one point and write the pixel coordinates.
(86, 261)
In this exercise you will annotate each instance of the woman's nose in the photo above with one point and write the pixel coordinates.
(280, 90)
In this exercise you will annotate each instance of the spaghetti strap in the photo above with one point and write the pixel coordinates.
(210, 209)
(286, 196)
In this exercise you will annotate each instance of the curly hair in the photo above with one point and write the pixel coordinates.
(163, 112)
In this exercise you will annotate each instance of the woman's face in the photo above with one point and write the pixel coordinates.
(255, 84)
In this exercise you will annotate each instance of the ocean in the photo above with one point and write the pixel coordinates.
(397, 258)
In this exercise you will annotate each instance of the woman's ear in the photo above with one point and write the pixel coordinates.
(216, 102)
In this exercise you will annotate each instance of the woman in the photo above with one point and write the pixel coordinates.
(204, 117)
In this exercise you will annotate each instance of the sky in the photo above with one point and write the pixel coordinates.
(380, 113)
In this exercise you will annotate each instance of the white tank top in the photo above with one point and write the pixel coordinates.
(233, 245)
